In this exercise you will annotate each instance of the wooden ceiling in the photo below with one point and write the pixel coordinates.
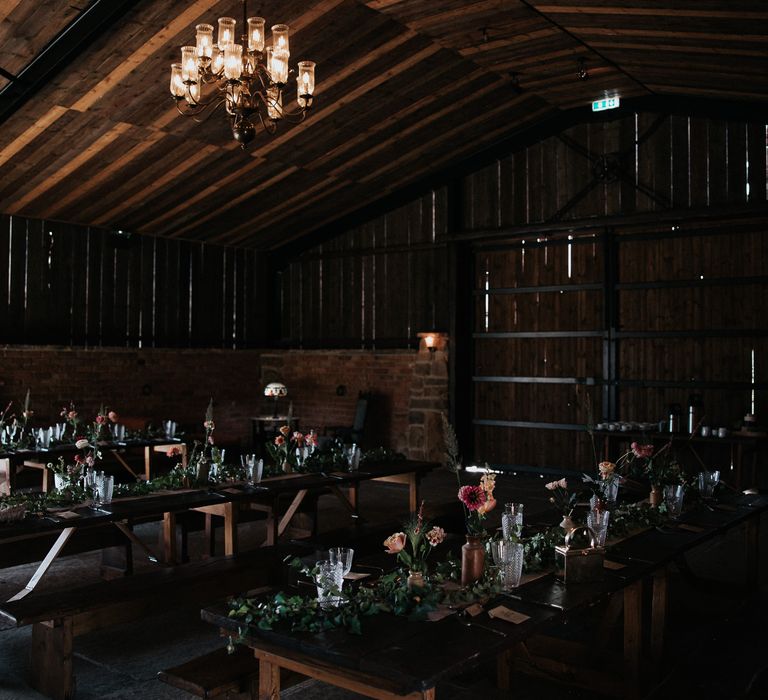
(406, 88)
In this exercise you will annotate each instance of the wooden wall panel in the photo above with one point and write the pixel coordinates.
(68, 285)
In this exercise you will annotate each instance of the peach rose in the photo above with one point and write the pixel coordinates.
(82, 443)
(606, 469)
(112, 416)
(488, 506)
(395, 543)
(285, 430)
(560, 484)
(279, 440)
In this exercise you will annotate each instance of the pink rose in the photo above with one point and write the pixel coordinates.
(112, 416)
(297, 437)
(311, 439)
(72, 415)
(472, 497)
(100, 419)
(395, 543)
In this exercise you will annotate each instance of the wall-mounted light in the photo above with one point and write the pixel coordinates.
(432, 341)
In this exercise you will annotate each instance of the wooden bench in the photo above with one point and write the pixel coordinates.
(57, 617)
(220, 674)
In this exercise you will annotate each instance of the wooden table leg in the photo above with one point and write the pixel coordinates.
(269, 680)
(52, 672)
(752, 558)
(659, 606)
(169, 538)
(147, 462)
(230, 529)
(633, 630)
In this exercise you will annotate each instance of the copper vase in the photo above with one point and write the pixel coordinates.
(472, 560)
(656, 496)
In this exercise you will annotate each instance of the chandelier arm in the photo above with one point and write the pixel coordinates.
(210, 111)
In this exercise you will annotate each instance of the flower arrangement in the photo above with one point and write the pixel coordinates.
(422, 540)
(101, 428)
(71, 473)
(561, 497)
(71, 419)
(291, 450)
(476, 500)
(660, 468)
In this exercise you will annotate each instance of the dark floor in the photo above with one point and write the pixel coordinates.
(716, 645)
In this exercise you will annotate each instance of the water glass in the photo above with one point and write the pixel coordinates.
(353, 457)
(170, 429)
(106, 487)
(512, 520)
(707, 483)
(597, 521)
(342, 556)
(673, 498)
(329, 580)
(508, 556)
(254, 468)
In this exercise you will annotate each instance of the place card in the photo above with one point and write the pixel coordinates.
(67, 515)
(474, 610)
(502, 612)
(691, 528)
(613, 565)
(355, 576)
(439, 614)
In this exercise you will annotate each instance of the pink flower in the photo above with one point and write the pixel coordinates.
(642, 450)
(208, 425)
(298, 438)
(100, 419)
(560, 484)
(72, 415)
(174, 452)
(112, 416)
(435, 536)
(472, 497)
(395, 543)
(279, 440)
(90, 461)
(311, 438)
(28, 414)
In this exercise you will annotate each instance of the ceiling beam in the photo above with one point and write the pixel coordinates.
(63, 48)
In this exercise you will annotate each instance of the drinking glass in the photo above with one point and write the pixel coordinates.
(673, 497)
(343, 556)
(597, 521)
(353, 457)
(106, 487)
(329, 580)
(610, 489)
(254, 468)
(508, 556)
(707, 483)
(512, 520)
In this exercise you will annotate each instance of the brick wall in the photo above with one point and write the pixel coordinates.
(409, 388)
(149, 384)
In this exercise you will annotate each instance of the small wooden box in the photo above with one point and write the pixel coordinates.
(579, 565)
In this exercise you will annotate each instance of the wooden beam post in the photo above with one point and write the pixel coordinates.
(269, 680)
(633, 631)
(659, 606)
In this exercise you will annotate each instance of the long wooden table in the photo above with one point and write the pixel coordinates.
(225, 500)
(11, 463)
(396, 658)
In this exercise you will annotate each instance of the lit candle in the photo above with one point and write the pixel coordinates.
(226, 32)
(306, 83)
(177, 84)
(188, 64)
(279, 67)
(255, 33)
(280, 38)
(217, 64)
(233, 61)
(204, 39)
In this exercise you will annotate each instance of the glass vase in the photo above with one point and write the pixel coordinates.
(472, 560)
(415, 580)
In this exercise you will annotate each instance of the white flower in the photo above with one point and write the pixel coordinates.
(82, 443)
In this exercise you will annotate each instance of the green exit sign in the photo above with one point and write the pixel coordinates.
(607, 103)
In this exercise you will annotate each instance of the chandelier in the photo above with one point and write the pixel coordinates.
(249, 79)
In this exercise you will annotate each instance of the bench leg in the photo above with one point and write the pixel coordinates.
(52, 672)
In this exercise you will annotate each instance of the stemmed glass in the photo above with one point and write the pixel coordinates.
(343, 556)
